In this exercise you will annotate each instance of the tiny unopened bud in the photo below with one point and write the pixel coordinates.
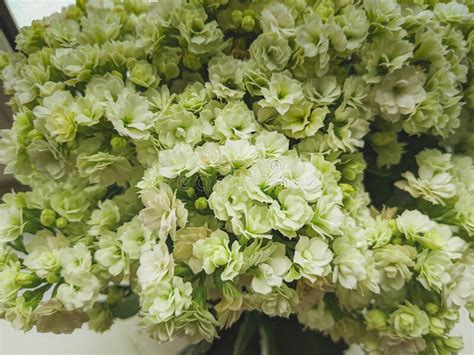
(201, 203)
(248, 24)
(118, 142)
(61, 222)
(376, 319)
(237, 17)
(432, 308)
(48, 217)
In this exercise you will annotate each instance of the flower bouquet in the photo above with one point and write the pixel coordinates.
(216, 166)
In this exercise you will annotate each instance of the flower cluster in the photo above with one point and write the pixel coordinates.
(200, 159)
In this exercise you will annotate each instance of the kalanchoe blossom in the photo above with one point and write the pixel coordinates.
(193, 161)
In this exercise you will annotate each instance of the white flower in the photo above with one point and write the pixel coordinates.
(271, 272)
(166, 299)
(79, 291)
(313, 256)
(110, 254)
(349, 264)
(239, 153)
(290, 213)
(163, 212)
(11, 223)
(156, 265)
(130, 115)
(76, 260)
(179, 160)
(135, 238)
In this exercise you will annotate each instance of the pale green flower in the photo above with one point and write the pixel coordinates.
(194, 97)
(282, 93)
(75, 261)
(10, 286)
(239, 153)
(167, 62)
(56, 118)
(11, 223)
(302, 120)
(69, 204)
(312, 38)
(135, 238)
(322, 91)
(105, 218)
(163, 212)
(317, 318)
(79, 291)
(313, 256)
(104, 168)
(61, 32)
(281, 301)
(271, 144)
(272, 271)
(395, 263)
(77, 63)
(100, 26)
(354, 25)
(399, 92)
(142, 73)
(210, 253)
(432, 267)
(290, 213)
(20, 314)
(277, 18)
(349, 264)
(167, 299)
(181, 159)
(130, 115)
(234, 121)
(200, 37)
(226, 77)
(409, 321)
(156, 265)
(178, 126)
(255, 224)
(88, 110)
(109, 253)
(270, 51)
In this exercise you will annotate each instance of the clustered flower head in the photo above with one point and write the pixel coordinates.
(200, 159)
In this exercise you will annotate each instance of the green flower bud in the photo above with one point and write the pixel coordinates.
(118, 142)
(34, 134)
(191, 61)
(201, 203)
(26, 279)
(325, 9)
(190, 191)
(432, 308)
(437, 326)
(470, 96)
(4, 60)
(53, 278)
(237, 17)
(115, 294)
(61, 222)
(396, 241)
(48, 217)
(248, 24)
(100, 317)
(382, 138)
(470, 309)
(376, 319)
(455, 344)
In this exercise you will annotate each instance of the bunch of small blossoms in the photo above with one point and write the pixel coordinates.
(194, 160)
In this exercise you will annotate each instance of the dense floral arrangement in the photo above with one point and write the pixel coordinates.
(212, 157)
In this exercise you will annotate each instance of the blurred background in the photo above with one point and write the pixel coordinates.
(124, 338)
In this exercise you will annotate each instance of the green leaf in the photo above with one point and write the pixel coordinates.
(247, 330)
(126, 308)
